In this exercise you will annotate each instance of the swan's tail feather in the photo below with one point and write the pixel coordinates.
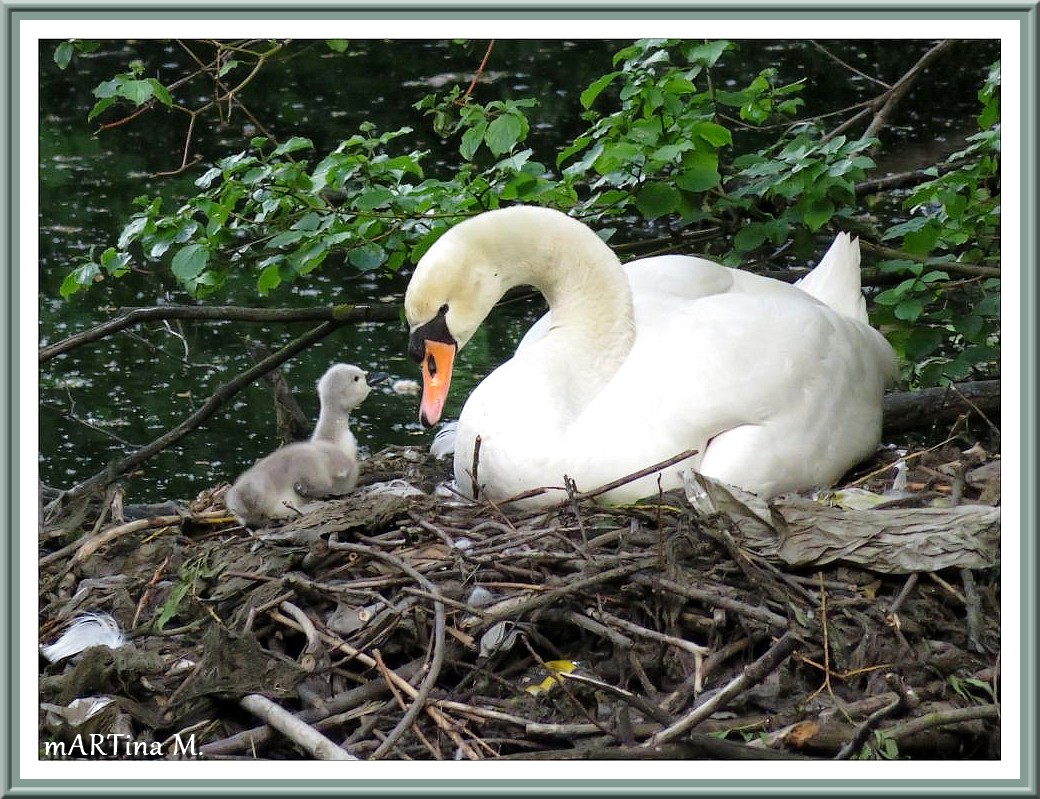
(836, 281)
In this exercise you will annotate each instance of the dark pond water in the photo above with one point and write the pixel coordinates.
(101, 401)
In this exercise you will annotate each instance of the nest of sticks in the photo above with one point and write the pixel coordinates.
(403, 623)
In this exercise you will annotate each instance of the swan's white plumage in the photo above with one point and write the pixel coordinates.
(779, 387)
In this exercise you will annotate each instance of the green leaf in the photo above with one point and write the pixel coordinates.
(99, 108)
(472, 139)
(293, 144)
(615, 156)
(923, 341)
(310, 257)
(989, 306)
(657, 199)
(707, 53)
(375, 197)
(700, 172)
(713, 133)
(131, 230)
(172, 604)
(63, 54)
(286, 238)
(749, 237)
(503, 133)
(114, 262)
(921, 241)
(588, 97)
(137, 91)
(162, 94)
(818, 213)
(367, 257)
(208, 177)
(79, 278)
(337, 45)
(189, 262)
(909, 310)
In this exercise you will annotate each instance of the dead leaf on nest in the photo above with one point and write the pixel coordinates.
(799, 532)
(892, 540)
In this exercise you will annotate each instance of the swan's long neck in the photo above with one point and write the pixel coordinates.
(333, 426)
(588, 294)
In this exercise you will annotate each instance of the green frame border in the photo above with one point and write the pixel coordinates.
(13, 12)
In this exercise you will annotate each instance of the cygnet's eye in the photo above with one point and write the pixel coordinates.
(356, 378)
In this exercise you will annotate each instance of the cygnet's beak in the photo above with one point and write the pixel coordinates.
(374, 378)
(437, 362)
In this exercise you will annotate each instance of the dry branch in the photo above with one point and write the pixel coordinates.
(749, 677)
(308, 738)
(340, 314)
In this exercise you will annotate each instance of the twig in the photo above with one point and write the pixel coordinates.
(91, 545)
(149, 590)
(553, 596)
(905, 700)
(636, 475)
(848, 66)
(826, 643)
(475, 469)
(437, 660)
(400, 682)
(749, 677)
(972, 270)
(341, 703)
(699, 652)
(222, 313)
(973, 604)
(976, 408)
(648, 709)
(580, 620)
(942, 718)
(694, 680)
(385, 673)
(476, 77)
(894, 96)
(304, 735)
(764, 615)
(534, 492)
(307, 657)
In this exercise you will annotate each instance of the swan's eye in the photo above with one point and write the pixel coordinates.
(356, 378)
(431, 365)
(443, 310)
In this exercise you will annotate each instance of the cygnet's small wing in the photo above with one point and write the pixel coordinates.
(321, 470)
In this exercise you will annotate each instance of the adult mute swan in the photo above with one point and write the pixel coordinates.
(777, 386)
(279, 485)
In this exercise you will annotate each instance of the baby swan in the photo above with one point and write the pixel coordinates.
(279, 485)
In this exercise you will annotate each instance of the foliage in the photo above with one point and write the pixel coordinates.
(973, 690)
(805, 181)
(659, 152)
(946, 330)
(883, 747)
(663, 143)
(64, 52)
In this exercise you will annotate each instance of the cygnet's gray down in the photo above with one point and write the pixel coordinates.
(281, 484)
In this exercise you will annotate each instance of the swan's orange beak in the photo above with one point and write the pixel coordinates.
(438, 358)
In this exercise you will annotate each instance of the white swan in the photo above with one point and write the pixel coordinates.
(778, 387)
(279, 485)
